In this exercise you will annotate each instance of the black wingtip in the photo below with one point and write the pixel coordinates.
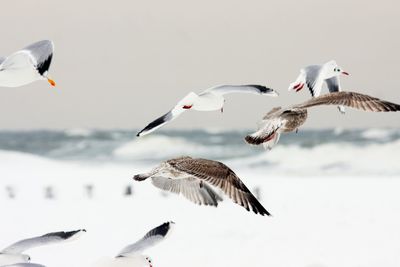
(252, 140)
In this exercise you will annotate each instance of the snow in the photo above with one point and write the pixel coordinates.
(317, 221)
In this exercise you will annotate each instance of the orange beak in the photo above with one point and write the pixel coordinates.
(53, 83)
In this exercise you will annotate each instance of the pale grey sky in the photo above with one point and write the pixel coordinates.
(124, 63)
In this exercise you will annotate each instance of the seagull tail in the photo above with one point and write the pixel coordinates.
(299, 83)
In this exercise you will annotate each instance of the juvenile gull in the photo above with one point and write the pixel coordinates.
(27, 65)
(281, 120)
(14, 253)
(209, 100)
(314, 77)
(194, 178)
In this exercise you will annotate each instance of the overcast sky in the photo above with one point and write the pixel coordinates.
(123, 63)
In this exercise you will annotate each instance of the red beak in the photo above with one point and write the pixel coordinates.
(187, 106)
(345, 73)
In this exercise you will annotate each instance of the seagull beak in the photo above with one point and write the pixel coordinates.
(53, 83)
(345, 73)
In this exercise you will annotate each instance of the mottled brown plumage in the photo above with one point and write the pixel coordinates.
(280, 120)
(206, 172)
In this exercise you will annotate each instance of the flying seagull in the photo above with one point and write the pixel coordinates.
(14, 253)
(314, 77)
(133, 253)
(209, 100)
(194, 179)
(25, 66)
(282, 120)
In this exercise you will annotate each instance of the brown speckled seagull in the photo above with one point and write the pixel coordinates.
(194, 178)
(282, 120)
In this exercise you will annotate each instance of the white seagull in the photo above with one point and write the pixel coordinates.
(194, 178)
(282, 120)
(132, 255)
(209, 100)
(14, 253)
(25, 66)
(314, 77)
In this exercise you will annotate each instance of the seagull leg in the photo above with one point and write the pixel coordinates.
(222, 110)
(297, 130)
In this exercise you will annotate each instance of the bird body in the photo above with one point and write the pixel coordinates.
(280, 120)
(314, 77)
(195, 178)
(209, 100)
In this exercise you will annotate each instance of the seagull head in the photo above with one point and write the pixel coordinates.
(333, 70)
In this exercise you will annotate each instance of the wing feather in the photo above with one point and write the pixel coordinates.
(352, 99)
(220, 175)
(153, 237)
(43, 240)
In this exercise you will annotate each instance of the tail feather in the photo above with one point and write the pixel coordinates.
(268, 141)
(299, 83)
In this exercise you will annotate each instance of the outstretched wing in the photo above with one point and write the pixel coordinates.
(250, 88)
(352, 99)
(42, 53)
(152, 238)
(47, 239)
(170, 115)
(221, 176)
(313, 79)
(37, 55)
(193, 189)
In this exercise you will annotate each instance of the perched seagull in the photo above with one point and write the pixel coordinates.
(30, 64)
(209, 100)
(314, 77)
(194, 178)
(282, 120)
(13, 254)
(132, 254)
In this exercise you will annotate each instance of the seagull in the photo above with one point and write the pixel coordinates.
(133, 253)
(315, 75)
(194, 178)
(209, 100)
(25, 66)
(14, 253)
(282, 120)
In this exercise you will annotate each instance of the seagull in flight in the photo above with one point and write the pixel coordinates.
(282, 120)
(195, 178)
(314, 76)
(13, 254)
(209, 100)
(132, 255)
(27, 65)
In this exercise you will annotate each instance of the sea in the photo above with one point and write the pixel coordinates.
(308, 152)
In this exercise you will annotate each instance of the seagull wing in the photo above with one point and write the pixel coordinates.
(250, 88)
(221, 176)
(352, 99)
(170, 115)
(193, 189)
(313, 79)
(42, 53)
(152, 238)
(47, 239)
(37, 55)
